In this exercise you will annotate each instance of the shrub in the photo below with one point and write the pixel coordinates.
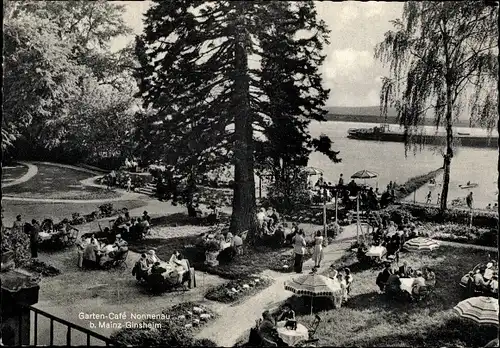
(223, 293)
(18, 243)
(290, 191)
(488, 238)
(211, 246)
(106, 209)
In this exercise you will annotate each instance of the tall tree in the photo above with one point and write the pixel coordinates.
(293, 87)
(209, 101)
(439, 53)
(54, 50)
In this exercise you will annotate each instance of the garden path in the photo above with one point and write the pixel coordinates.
(32, 171)
(226, 331)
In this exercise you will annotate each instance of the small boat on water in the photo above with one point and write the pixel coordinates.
(469, 185)
(463, 133)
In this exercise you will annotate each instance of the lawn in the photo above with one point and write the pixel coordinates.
(58, 183)
(12, 173)
(368, 319)
(56, 211)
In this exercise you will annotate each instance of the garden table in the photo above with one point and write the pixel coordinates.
(45, 236)
(407, 284)
(292, 337)
(225, 245)
(376, 251)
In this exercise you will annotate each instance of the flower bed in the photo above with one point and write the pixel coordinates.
(177, 329)
(284, 262)
(41, 268)
(462, 234)
(238, 289)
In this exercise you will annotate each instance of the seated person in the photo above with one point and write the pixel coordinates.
(280, 234)
(141, 268)
(157, 269)
(152, 258)
(430, 277)
(393, 284)
(404, 270)
(383, 277)
(120, 245)
(267, 329)
(174, 259)
(127, 218)
(90, 255)
(146, 217)
(479, 283)
(493, 285)
(488, 272)
(418, 283)
(286, 313)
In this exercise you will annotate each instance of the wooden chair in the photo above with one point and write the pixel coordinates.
(308, 343)
(314, 327)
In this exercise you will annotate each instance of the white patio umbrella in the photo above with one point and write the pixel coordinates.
(421, 243)
(313, 285)
(481, 309)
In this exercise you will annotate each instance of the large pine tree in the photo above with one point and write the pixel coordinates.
(210, 98)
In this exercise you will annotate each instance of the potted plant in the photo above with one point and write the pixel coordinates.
(212, 249)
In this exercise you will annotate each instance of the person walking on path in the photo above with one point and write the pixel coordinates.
(129, 184)
(341, 180)
(318, 250)
(113, 178)
(429, 198)
(34, 236)
(300, 249)
(470, 200)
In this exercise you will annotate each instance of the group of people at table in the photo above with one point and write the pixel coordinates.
(387, 240)
(95, 253)
(279, 328)
(47, 231)
(484, 280)
(173, 271)
(414, 282)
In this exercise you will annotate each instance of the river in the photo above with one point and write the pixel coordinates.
(389, 161)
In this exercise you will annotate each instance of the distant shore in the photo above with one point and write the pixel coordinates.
(381, 119)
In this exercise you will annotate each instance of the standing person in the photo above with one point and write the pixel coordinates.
(113, 177)
(318, 250)
(320, 181)
(341, 180)
(438, 201)
(129, 184)
(470, 200)
(34, 235)
(300, 250)
(18, 224)
(429, 197)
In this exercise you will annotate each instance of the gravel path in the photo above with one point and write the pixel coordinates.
(252, 308)
(32, 171)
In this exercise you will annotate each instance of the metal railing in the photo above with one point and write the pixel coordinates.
(70, 328)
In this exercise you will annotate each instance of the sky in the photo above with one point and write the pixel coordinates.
(350, 70)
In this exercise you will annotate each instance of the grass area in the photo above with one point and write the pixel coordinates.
(55, 211)
(11, 173)
(58, 183)
(245, 287)
(369, 319)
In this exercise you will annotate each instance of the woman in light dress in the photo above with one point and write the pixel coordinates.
(318, 250)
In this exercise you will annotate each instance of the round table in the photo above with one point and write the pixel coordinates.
(407, 284)
(292, 337)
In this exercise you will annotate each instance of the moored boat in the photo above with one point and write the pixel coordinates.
(384, 133)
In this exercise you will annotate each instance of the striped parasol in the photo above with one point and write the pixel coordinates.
(482, 310)
(364, 174)
(421, 243)
(313, 285)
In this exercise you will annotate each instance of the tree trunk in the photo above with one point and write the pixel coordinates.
(243, 217)
(449, 151)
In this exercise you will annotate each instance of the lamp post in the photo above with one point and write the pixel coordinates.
(336, 205)
(357, 217)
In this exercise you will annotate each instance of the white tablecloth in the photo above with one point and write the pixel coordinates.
(225, 245)
(376, 251)
(292, 337)
(407, 284)
(45, 236)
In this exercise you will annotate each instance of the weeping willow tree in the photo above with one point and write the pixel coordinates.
(441, 56)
